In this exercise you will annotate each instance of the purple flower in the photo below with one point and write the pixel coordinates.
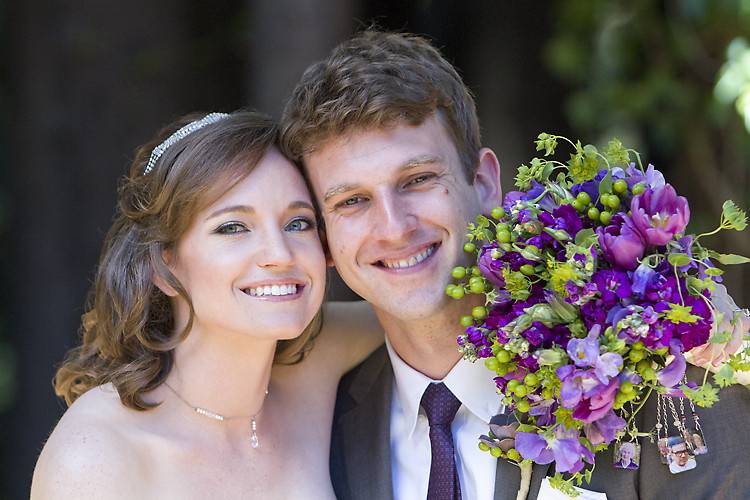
(563, 448)
(652, 178)
(491, 269)
(621, 243)
(671, 375)
(642, 278)
(584, 352)
(659, 214)
(612, 285)
(605, 429)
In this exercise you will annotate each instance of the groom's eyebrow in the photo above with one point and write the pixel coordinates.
(409, 164)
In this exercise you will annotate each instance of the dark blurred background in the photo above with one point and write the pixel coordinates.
(83, 83)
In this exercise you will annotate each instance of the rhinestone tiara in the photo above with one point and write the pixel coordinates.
(180, 134)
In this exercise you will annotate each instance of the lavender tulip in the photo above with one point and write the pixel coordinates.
(658, 214)
(621, 243)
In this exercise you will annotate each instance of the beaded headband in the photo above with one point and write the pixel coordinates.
(180, 134)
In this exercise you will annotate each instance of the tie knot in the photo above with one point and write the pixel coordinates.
(439, 404)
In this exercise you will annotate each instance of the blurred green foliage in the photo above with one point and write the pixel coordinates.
(646, 70)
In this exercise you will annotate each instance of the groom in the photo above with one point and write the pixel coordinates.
(389, 138)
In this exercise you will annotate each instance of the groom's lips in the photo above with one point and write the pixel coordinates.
(412, 259)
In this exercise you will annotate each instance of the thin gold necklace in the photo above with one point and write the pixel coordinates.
(218, 416)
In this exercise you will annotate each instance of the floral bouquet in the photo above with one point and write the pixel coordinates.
(594, 297)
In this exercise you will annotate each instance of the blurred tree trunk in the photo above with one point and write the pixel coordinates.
(71, 139)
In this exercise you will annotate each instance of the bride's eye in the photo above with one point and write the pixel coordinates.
(298, 224)
(231, 228)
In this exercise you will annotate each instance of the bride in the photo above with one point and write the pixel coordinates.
(197, 376)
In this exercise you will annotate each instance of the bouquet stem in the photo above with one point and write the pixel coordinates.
(523, 490)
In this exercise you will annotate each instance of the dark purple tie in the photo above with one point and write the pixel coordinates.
(441, 406)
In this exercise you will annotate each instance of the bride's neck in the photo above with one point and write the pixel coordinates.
(226, 374)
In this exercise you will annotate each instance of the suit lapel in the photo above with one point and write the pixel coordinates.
(366, 428)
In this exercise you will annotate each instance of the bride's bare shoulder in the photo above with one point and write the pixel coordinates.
(90, 453)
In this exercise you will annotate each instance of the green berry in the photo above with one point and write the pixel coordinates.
(643, 365)
(496, 452)
(626, 387)
(638, 345)
(528, 269)
(521, 391)
(475, 271)
(532, 380)
(578, 205)
(635, 356)
(639, 189)
(502, 370)
(503, 236)
(449, 289)
(491, 364)
(458, 292)
(512, 385)
(605, 217)
(467, 321)
(620, 399)
(514, 455)
(593, 213)
(483, 446)
(547, 393)
(503, 356)
(469, 247)
(523, 406)
(649, 374)
(613, 201)
(498, 213)
(458, 272)
(479, 312)
(477, 286)
(620, 186)
(584, 197)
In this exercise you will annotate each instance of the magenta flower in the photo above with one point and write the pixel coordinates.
(659, 214)
(621, 242)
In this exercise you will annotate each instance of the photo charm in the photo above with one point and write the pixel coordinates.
(680, 459)
(627, 455)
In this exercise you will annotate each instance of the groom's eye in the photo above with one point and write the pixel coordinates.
(420, 179)
(350, 202)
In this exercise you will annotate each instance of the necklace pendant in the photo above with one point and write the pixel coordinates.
(254, 434)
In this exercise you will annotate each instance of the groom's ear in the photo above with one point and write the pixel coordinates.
(487, 181)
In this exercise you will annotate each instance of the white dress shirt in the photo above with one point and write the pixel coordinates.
(472, 384)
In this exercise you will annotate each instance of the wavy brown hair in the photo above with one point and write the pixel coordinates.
(128, 330)
(380, 79)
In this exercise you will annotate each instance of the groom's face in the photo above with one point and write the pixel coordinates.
(395, 203)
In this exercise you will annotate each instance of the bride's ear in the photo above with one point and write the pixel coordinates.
(160, 270)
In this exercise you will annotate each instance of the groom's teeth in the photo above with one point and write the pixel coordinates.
(411, 261)
(274, 290)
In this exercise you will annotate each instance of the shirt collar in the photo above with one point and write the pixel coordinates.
(470, 382)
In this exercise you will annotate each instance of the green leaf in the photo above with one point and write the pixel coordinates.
(585, 237)
(679, 259)
(605, 186)
(616, 153)
(724, 376)
(729, 258)
(704, 396)
(720, 337)
(547, 142)
(713, 271)
(732, 215)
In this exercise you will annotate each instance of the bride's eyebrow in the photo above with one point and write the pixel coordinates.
(233, 208)
(301, 204)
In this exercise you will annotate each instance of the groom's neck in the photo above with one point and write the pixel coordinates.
(427, 345)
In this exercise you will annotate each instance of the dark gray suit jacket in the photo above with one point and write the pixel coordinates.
(361, 463)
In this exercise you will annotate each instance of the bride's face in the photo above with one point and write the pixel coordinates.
(252, 262)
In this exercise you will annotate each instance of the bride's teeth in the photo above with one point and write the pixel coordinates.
(411, 261)
(274, 290)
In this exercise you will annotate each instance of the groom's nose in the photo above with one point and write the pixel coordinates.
(393, 217)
